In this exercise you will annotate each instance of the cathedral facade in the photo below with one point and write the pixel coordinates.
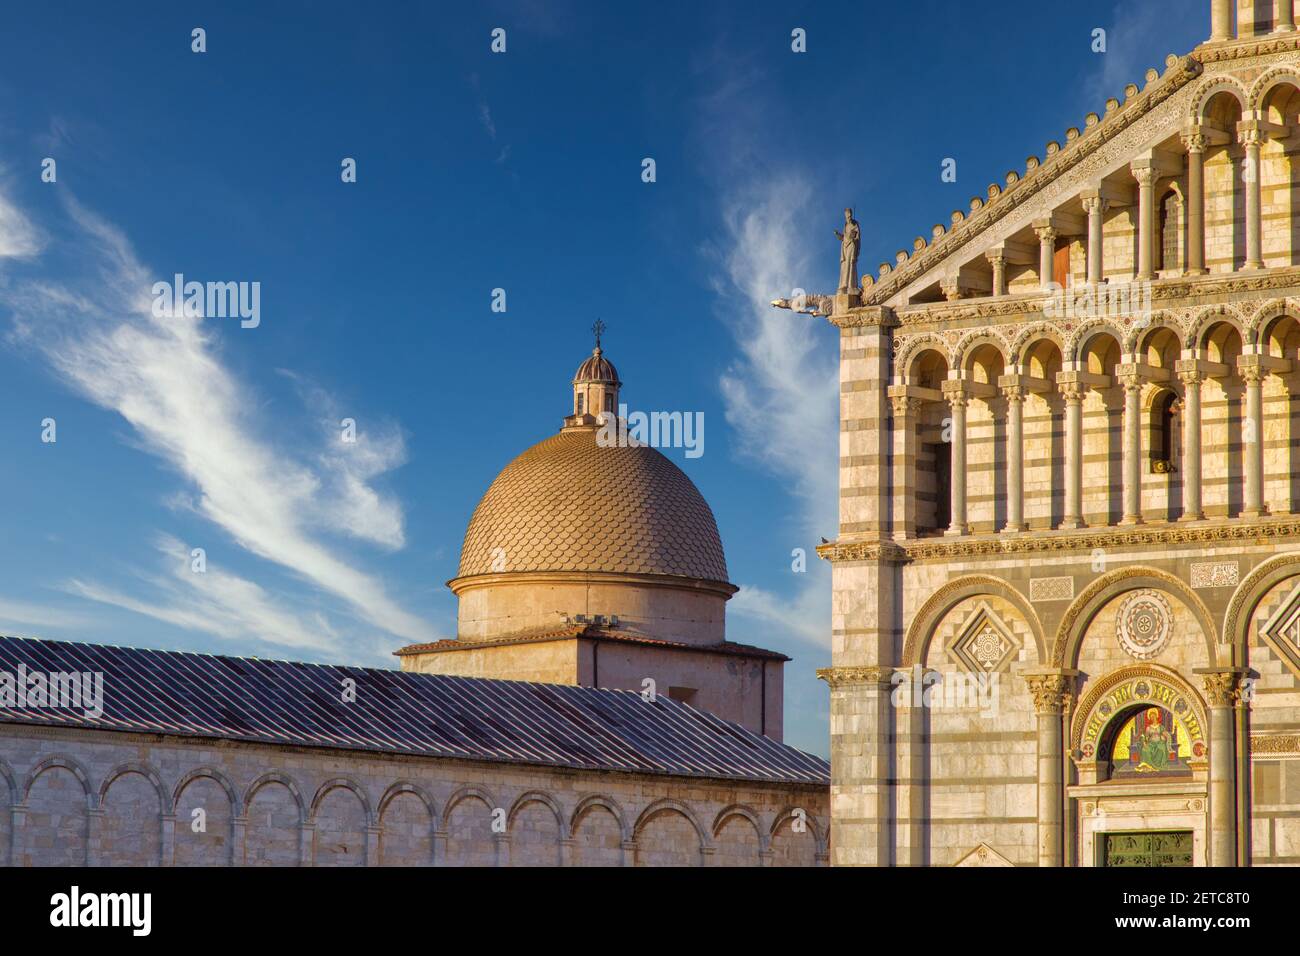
(1066, 619)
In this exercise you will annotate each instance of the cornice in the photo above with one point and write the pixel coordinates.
(1032, 306)
(1258, 531)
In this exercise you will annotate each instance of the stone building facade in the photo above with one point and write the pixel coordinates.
(1067, 572)
(101, 798)
(591, 712)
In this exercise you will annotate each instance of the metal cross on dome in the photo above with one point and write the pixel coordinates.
(597, 330)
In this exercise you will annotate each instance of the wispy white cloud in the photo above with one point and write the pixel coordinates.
(19, 238)
(13, 612)
(165, 376)
(213, 601)
(781, 392)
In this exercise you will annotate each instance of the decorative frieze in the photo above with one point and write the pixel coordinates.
(1276, 744)
(1111, 539)
(1215, 574)
(1051, 589)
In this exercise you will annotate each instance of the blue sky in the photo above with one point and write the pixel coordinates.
(475, 171)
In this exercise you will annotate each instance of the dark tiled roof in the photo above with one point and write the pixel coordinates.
(593, 632)
(296, 704)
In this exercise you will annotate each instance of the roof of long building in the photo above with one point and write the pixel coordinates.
(289, 703)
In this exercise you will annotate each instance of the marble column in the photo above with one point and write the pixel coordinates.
(1146, 180)
(1095, 206)
(1073, 391)
(1195, 143)
(1251, 136)
(999, 264)
(1132, 448)
(1220, 691)
(1285, 17)
(912, 760)
(1220, 20)
(1190, 375)
(1051, 690)
(1252, 436)
(906, 416)
(1015, 395)
(955, 392)
(1046, 255)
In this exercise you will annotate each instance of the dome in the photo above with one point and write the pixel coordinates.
(596, 368)
(569, 504)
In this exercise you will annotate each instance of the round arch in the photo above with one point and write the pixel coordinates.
(587, 804)
(459, 797)
(740, 810)
(342, 783)
(236, 804)
(1263, 316)
(1078, 341)
(1030, 336)
(275, 776)
(11, 782)
(820, 835)
(1200, 321)
(1245, 599)
(1270, 80)
(66, 763)
(668, 805)
(402, 787)
(1212, 87)
(1082, 610)
(546, 800)
(164, 797)
(917, 643)
(965, 349)
(1090, 721)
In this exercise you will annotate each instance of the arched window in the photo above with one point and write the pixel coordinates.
(578, 410)
(609, 402)
(1164, 413)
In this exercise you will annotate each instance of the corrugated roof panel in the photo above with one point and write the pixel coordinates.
(296, 704)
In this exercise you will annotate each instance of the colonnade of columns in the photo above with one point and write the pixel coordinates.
(1147, 170)
(1073, 386)
(1254, 18)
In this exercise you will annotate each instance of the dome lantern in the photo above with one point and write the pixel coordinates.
(595, 387)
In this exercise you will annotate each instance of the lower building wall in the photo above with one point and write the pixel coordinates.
(110, 799)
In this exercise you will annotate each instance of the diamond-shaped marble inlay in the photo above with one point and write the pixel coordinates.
(984, 644)
(1281, 632)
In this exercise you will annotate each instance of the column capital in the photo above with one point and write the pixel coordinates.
(1046, 232)
(1189, 371)
(1051, 687)
(903, 404)
(956, 391)
(1252, 368)
(1221, 684)
(1144, 171)
(874, 675)
(1071, 386)
(1128, 375)
(1094, 202)
(1194, 141)
(1251, 132)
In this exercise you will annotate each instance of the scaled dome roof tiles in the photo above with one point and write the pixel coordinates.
(568, 504)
